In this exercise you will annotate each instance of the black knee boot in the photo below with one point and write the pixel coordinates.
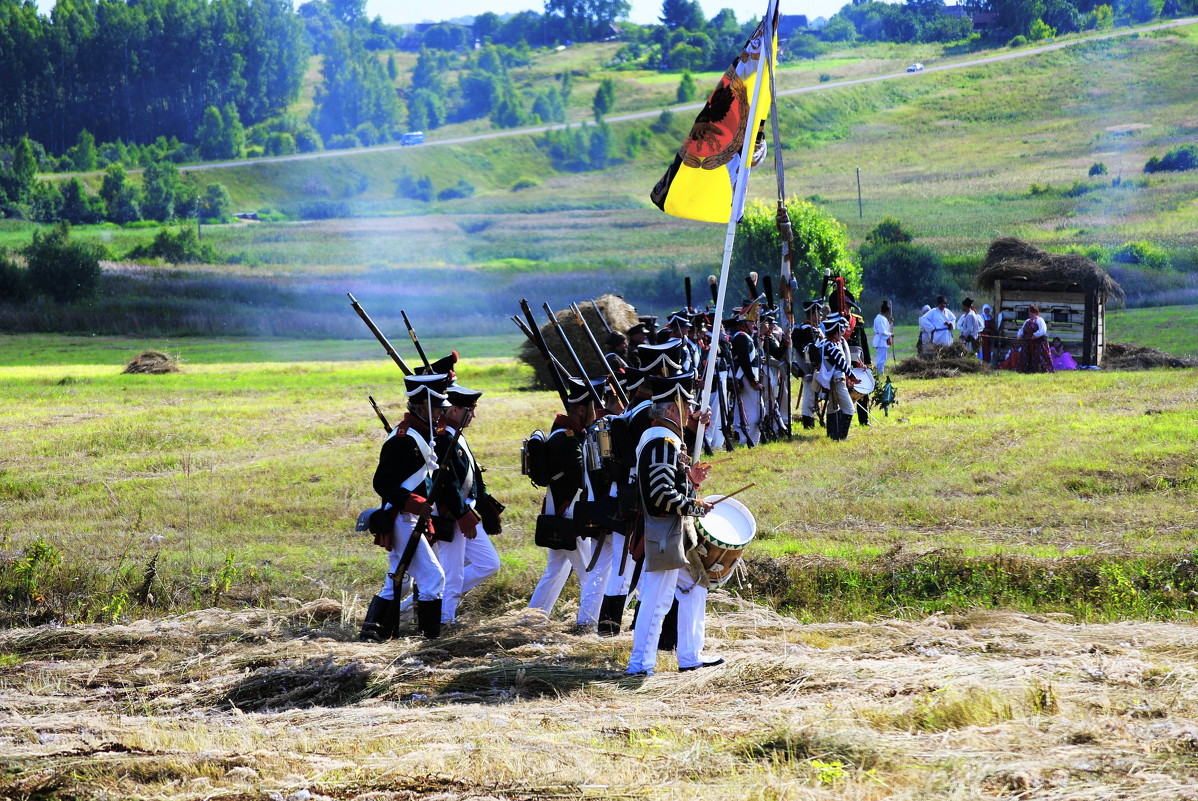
(846, 421)
(862, 414)
(668, 640)
(611, 615)
(808, 422)
(380, 622)
(428, 618)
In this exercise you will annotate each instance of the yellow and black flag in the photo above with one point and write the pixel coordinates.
(701, 183)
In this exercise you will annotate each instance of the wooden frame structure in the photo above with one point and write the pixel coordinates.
(1075, 314)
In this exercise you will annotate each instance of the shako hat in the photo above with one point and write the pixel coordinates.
(639, 328)
(444, 365)
(667, 354)
(813, 304)
(577, 391)
(633, 378)
(420, 388)
(463, 396)
(671, 387)
(833, 322)
(680, 317)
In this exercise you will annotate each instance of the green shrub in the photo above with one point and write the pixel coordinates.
(462, 188)
(1142, 254)
(1097, 168)
(183, 247)
(525, 183)
(64, 270)
(1018, 41)
(14, 282)
(824, 77)
(414, 188)
(909, 274)
(1184, 157)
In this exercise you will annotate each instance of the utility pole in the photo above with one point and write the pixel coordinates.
(860, 208)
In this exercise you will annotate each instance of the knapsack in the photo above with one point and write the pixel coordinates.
(532, 459)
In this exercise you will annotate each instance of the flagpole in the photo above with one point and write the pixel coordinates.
(738, 195)
(786, 295)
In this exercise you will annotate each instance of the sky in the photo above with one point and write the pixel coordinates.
(397, 12)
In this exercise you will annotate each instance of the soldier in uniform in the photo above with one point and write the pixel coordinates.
(746, 372)
(860, 357)
(832, 375)
(667, 483)
(404, 480)
(569, 483)
(806, 341)
(637, 335)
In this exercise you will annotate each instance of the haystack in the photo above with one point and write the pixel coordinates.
(949, 361)
(1020, 264)
(152, 362)
(618, 313)
(1126, 356)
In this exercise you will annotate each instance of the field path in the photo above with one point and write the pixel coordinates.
(641, 115)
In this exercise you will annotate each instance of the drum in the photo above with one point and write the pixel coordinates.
(725, 530)
(865, 383)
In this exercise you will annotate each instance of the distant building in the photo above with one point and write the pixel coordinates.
(818, 23)
(982, 20)
(790, 24)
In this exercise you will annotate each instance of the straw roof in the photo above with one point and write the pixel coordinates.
(1014, 261)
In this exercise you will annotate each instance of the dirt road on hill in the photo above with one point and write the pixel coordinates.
(693, 107)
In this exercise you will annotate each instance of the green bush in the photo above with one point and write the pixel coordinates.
(414, 188)
(183, 247)
(909, 274)
(64, 270)
(14, 282)
(525, 183)
(1097, 168)
(462, 188)
(1142, 254)
(1179, 159)
(1018, 41)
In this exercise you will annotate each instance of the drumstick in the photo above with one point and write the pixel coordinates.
(738, 492)
(708, 465)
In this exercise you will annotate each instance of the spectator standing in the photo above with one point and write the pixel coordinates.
(940, 322)
(883, 336)
(970, 325)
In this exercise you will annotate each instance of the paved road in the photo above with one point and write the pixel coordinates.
(641, 115)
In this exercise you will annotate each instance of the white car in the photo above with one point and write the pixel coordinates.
(916, 67)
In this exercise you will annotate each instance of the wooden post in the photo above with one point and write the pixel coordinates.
(1090, 337)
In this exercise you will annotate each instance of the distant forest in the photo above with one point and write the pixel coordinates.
(103, 82)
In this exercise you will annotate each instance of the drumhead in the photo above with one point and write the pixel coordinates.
(730, 523)
(865, 382)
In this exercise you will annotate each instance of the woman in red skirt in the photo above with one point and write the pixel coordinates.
(1036, 356)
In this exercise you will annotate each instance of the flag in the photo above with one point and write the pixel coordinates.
(699, 184)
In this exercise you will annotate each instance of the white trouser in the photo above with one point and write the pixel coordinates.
(594, 583)
(467, 564)
(557, 570)
(425, 570)
(657, 596)
(838, 396)
(809, 391)
(617, 581)
(692, 619)
(714, 433)
(881, 352)
(749, 425)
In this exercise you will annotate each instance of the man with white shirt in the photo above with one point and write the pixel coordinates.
(883, 336)
(970, 325)
(938, 324)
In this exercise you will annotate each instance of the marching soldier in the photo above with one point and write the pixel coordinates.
(666, 485)
(746, 371)
(860, 357)
(806, 341)
(403, 480)
(833, 375)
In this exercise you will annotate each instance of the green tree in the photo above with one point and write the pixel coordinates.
(392, 67)
(45, 202)
(548, 105)
(24, 170)
(216, 203)
(121, 201)
(605, 98)
(839, 29)
(64, 270)
(1142, 10)
(686, 88)
(1017, 16)
(211, 136)
(82, 156)
(888, 232)
(1040, 30)
(79, 208)
(821, 243)
(1102, 18)
(909, 274)
(682, 14)
(162, 191)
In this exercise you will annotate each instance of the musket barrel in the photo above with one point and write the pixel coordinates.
(379, 335)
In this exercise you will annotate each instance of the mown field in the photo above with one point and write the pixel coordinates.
(989, 593)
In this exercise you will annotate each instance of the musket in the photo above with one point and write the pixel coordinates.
(379, 335)
(379, 412)
(555, 371)
(767, 373)
(416, 342)
(751, 283)
(713, 283)
(602, 319)
(582, 371)
(690, 306)
(590, 336)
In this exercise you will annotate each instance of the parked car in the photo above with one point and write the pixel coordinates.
(916, 67)
(412, 138)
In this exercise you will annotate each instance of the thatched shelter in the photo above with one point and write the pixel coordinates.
(1071, 291)
(617, 312)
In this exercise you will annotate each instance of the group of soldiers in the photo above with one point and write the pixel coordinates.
(619, 466)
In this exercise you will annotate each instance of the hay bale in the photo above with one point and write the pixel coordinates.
(620, 315)
(152, 362)
(1126, 356)
(1013, 260)
(948, 361)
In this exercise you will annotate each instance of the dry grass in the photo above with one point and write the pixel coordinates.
(152, 362)
(254, 703)
(1127, 356)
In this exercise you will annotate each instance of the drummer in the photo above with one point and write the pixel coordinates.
(859, 353)
(667, 482)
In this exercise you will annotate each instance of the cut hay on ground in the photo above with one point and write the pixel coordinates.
(1126, 356)
(941, 362)
(152, 362)
(1015, 262)
(619, 314)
